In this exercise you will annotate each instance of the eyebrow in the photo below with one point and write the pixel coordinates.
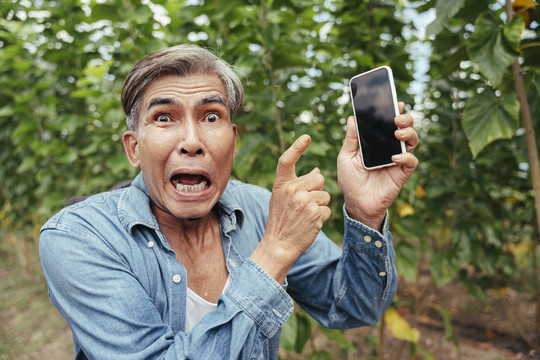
(168, 101)
(214, 99)
(162, 101)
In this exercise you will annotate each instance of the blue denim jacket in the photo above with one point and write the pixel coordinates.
(114, 277)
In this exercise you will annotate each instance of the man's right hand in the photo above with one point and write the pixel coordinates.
(298, 209)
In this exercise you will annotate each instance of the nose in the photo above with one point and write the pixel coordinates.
(190, 139)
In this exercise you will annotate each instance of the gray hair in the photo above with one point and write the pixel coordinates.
(181, 60)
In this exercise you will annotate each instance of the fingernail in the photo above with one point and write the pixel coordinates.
(397, 157)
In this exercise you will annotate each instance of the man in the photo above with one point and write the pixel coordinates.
(187, 264)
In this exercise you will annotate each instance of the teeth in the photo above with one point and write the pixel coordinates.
(190, 188)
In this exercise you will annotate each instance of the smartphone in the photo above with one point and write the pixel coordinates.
(375, 106)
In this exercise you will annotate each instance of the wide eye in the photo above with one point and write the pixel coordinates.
(162, 118)
(211, 117)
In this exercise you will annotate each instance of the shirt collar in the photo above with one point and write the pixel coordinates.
(230, 211)
(134, 208)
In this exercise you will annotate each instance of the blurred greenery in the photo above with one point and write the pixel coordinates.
(467, 212)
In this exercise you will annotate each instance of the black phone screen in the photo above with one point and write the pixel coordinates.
(375, 108)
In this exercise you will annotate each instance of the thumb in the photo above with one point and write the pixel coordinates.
(286, 165)
(351, 138)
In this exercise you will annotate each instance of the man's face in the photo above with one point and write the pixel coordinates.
(185, 144)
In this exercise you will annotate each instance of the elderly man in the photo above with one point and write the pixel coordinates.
(186, 263)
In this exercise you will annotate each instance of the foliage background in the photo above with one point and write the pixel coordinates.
(467, 213)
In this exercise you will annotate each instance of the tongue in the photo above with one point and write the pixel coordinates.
(189, 179)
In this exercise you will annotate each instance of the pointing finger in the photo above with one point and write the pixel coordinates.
(286, 165)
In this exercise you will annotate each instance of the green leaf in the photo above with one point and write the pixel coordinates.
(98, 70)
(444, 267)
(331, 186)
(493, 45)
(143, 14)
(22, 65)
(82, 93)
(68, 158)
(337, 337)
(320, 355)
(303, 332)
(105, 12)
(300, 100)
(488, 117)
(288, 333)
(407, 257)
(451, 63)
(321, 148)
(6, 111)
(28, 163)
(445, 10)
(11, 26)
(247, 149)
(449, 332)
(531, 51)
(427, 355)
(118, 162)
(285, 59)
(512, 34)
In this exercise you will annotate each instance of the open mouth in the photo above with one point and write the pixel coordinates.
(189, 182)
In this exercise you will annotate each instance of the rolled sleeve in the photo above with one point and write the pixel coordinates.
(377, 245)
(347, 287)
(266, 302)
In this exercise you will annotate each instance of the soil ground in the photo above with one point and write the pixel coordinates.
(500, 329)
(32, 329)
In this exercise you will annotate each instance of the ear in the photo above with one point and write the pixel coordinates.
(235, 131)
(131, 146)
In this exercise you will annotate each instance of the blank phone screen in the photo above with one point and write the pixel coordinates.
(373, 104)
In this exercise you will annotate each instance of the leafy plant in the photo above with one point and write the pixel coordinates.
(479, 205)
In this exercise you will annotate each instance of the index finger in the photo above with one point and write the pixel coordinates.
(286, 165)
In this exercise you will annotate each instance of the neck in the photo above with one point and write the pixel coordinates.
(191, 232)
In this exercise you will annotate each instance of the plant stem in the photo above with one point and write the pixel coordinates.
(380, 346)
(272, 78)
(532, 153)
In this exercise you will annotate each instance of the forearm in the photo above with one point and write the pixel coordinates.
(350, 287)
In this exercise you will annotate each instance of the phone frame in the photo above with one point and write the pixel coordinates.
(396, 112)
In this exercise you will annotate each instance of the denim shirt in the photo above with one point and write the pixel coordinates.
(116, 280)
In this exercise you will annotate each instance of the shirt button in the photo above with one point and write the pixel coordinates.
(382, 273)
(234, 227)
(367, 238)
(150, 244)
(176, 278)
(378, 244)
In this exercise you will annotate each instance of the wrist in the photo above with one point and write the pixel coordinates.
(374, 221)
(274, 259)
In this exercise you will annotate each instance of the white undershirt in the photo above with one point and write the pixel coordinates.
(197, 307)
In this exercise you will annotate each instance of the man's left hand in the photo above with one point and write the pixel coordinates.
(368, 193)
